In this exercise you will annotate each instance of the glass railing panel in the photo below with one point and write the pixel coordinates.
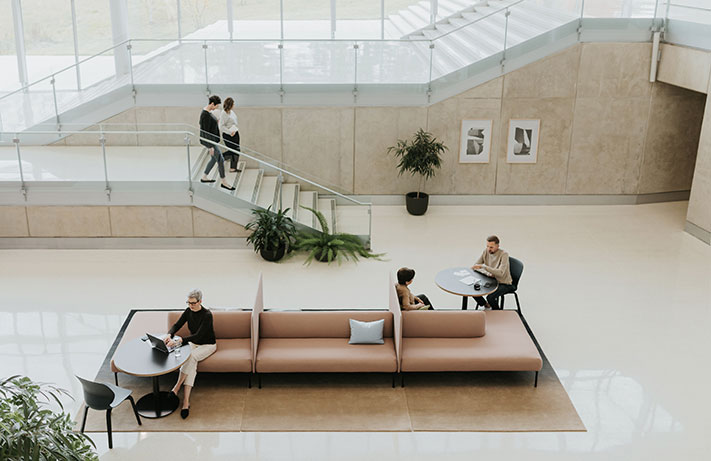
(174, 64)
(27, 107)
(393, 62)
(698, 11)
(325, 62)
(243, 62)
(56, 163)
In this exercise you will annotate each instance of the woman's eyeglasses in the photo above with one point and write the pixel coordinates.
(192, 303)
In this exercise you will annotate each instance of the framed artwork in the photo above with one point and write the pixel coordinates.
(475, 142)
(523, 141)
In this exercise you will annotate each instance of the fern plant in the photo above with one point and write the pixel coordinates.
(29, 431)
(327, 247)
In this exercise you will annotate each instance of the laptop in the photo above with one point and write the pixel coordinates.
(158, 344)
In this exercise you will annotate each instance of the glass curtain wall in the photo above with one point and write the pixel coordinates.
(152, 19)
(307, 19)
(49, 40)
(9, 77)
(202, 19)
(358, 19)
(256, 19)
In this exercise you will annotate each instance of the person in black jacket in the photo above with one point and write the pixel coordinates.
(202, 344)
(210, 138)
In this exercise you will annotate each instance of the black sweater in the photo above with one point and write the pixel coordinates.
(199, 324)
(209, 129)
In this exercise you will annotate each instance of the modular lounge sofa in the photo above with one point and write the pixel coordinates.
(265, 342)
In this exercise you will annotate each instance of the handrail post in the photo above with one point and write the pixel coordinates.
(102, 140)
(207, 82)
(506, 37)
(56, 108)
(382, 19)
(129, 47)
(580, 20)
(23, 188)
(76, 43)
(180, 27)
(370, 224)
(429, 83)
(281, 71)
(355, 72)
(190, 169)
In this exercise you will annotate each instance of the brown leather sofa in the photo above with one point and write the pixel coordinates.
(441, 341)
(232, 333)
(317, 342)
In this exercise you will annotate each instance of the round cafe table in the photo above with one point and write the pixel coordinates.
(450, 280)
(138, 358)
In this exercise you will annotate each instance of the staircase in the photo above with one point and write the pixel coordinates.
(479, 29)
(263, 189)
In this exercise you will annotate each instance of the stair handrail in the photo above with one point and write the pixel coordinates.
(281, 170)
(690, 7)
(200, 138)
(474, 21)
(52, 74)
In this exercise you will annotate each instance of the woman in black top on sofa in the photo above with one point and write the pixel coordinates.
(202, 344)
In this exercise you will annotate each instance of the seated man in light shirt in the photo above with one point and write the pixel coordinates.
(409, 302)
(495, 261)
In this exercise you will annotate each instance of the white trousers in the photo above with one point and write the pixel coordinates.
(197, 353)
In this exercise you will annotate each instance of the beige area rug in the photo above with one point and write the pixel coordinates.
(484, 401)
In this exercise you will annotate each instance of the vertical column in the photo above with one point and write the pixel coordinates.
(119, 32)
(333, 18)
(382, 19)
(230, 19)
(20, 42)
(76, 43)
(698, 217)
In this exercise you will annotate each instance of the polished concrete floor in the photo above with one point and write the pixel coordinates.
(618, 296)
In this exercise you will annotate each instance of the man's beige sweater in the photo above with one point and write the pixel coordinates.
(497, 264)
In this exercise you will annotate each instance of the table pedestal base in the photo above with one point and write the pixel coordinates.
(465, 300)
(149, 406)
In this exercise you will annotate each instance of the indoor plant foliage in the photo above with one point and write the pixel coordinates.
(273, 233)
(421, 155)
(31, 431)
(327, 247)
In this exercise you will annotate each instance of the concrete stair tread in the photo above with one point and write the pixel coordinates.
(289, 198)
(267, 192)
(327, 206)
(305, 217)
(248, 184)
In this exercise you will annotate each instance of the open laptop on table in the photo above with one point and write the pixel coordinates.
(158, 344)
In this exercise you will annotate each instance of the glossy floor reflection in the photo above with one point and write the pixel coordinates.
(618, 296)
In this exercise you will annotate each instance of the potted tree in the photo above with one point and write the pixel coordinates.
(327, 247)
(30, 430)
(422, 156)
(273, 233)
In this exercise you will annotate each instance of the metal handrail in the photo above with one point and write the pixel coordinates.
(189, 133)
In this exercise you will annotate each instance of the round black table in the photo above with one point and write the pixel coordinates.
(450, 281)
(138, 358)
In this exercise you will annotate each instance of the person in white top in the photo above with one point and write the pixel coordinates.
(230, 132)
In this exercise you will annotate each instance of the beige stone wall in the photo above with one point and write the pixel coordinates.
(114, 221)
(605, 129)
(699, 212)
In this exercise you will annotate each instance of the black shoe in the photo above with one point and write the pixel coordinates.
(226, 187)
(207, 180)
(184, 412)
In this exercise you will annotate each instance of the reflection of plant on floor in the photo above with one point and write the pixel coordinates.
(327, 247)
(31, 431)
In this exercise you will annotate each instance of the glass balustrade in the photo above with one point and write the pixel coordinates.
(163, 164)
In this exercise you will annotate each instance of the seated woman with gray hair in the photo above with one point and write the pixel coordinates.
(202, 344)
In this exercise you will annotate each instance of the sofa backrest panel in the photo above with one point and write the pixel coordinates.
(320, 324)
(443, 324)
(227, 324)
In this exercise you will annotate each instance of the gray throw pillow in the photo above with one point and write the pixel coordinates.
(366, 332)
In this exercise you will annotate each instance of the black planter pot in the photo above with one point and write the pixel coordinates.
(417, 206)
(273, 255)
(322, 257)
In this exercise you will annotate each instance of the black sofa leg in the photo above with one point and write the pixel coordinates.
(259, 381)
(394, 374)
(402, 379)
(116, 377)
(249, 382)
(535, 382)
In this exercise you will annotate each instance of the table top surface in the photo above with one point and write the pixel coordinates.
(138, 358)
(450, 280)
